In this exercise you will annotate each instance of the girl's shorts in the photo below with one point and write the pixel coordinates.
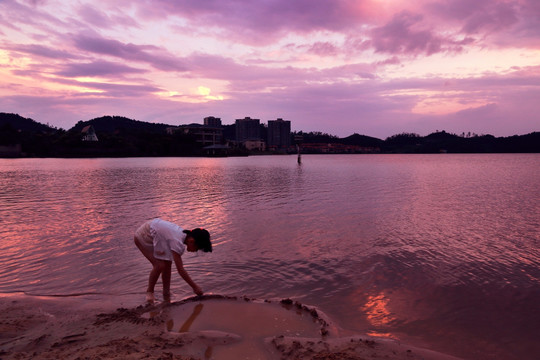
(143, 233)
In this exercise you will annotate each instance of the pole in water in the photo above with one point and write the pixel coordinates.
(298, 139)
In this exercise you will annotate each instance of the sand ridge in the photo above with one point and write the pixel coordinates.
(40, 328)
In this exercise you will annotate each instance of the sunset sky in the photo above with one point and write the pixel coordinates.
(374, 67)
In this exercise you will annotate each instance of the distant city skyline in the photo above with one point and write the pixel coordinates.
(373, 67)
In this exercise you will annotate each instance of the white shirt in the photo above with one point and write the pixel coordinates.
(168, 237)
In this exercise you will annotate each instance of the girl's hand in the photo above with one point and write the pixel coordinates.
(197, 290)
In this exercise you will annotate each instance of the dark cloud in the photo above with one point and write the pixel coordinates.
(152, 55)
(406, 34)
(400, 37)
(113, 47)
(5, 24)
(98, 68)
(324, 49)
(262, 22)
(527, 32)
(394, 60)
(19, 14)
(476, 16)
(97, 17)
(495, 18)
(42, 51)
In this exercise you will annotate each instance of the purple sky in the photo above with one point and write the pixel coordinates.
(374, 67)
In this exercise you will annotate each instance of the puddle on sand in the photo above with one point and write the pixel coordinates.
(251, 321)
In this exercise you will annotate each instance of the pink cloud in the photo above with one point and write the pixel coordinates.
(243, 78)
(350, 72)
(121, 90)
(252, 77)
(394, 60)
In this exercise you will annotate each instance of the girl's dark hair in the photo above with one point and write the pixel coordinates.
(202, 239)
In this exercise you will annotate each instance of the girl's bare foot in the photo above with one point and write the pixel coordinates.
(167, 297)
(150, 297)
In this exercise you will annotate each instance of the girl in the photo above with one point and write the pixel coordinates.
(163, 242)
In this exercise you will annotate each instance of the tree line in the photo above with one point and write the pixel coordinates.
(123, 137)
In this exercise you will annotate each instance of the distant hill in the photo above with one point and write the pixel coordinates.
(441, 141)
(111, 124)
(19, 123)
(362, 140)
(317, 137)
(528, 143)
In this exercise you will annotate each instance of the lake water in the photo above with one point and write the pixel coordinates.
(441, 251)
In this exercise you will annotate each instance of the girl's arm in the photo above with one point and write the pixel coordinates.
(183, 273)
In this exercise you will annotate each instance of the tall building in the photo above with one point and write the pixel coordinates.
(248, 129)
(279, 134)
(212, 121)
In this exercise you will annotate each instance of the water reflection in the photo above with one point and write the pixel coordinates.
(187, 325)
(189, 321)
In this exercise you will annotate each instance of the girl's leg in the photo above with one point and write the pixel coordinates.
(157, 269)
(157, 265)
(166, 278)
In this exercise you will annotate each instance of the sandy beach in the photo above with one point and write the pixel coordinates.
(211, 327)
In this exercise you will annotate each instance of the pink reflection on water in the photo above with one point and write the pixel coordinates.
(376, 309)
(379, 314)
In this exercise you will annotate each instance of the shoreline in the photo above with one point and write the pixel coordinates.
(45, 327)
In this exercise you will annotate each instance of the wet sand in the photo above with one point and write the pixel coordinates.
(211, 327)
